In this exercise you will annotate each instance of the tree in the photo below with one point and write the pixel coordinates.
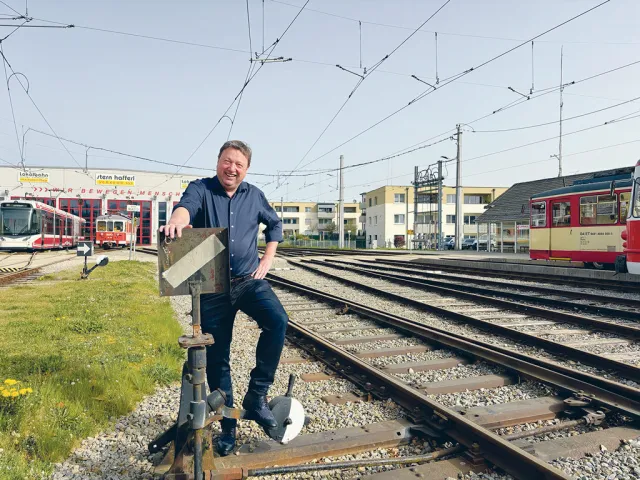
(330, 228)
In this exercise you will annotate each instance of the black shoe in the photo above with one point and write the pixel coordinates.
(227, 439)
(258, 410)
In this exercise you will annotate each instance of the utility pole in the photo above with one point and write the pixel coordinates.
(459, 218)
(439, 205)
(415, 200)
(561, 105)
(341, 206)
(406, 218)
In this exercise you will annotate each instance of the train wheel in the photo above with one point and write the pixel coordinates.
(597, 265)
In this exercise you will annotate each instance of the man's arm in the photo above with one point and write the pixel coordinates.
(273, 236)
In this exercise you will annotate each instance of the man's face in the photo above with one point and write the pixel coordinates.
(232, 168)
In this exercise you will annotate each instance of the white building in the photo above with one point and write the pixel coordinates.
(388, 213)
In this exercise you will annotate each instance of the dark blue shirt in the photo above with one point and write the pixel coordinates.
(209, 206)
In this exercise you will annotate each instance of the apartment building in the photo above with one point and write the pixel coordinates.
(387, 213)
(310, 218)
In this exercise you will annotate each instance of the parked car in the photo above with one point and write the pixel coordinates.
(449, 243)
(468, 243)
(483, 243)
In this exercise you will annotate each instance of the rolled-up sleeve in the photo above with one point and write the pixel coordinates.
(268, 216)
(192, 199)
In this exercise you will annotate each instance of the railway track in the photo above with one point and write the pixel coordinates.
(547, 277)
(341, 333)
(427, 370)
(602, 345)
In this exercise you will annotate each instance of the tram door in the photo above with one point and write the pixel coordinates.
(561, 231)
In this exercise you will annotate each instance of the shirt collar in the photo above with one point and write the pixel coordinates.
(217, 186)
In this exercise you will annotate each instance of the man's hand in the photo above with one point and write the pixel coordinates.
(263, 268)
(173, 230)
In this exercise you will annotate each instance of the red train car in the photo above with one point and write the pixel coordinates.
(582, 222)
(32, 225)
(630, 262)
(114, 230)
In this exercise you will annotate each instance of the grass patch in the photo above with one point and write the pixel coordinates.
(89, 350)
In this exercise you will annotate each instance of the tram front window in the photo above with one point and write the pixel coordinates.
(635, 207)
(117, 226)
(102, 226)
(19, 219)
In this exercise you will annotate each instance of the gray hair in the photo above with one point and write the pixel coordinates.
(238, 145)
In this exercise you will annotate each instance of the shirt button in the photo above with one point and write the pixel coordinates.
(232, 240)
(232, 254)
(231, 226)
(230, 268)
(231, 213)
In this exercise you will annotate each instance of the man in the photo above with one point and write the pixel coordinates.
(227, 201)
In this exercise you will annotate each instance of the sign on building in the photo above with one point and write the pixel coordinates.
(115, 179)
(133, 208)
(184, 183)
(33, 177)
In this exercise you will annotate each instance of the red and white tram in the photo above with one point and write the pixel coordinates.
(582, 222)
(114, 230)
(32, 225)
(631, 234)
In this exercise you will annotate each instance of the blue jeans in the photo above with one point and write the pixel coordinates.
(218, 312)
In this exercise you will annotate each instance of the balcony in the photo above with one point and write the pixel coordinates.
(326, 214)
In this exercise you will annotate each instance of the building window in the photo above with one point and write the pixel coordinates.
(375, 220)
(325, 209)
(162, 213)
(307, 221)
(561, 214)
(539, 214)
(469, 219)
(599, 210)
(398, 219)
(369, 202)
(474, 199)
(290, 221)
(291, 209)
(308, 209)
(375, 200)
(325, 221)
(370, 222)
(427, 198)
(451, 198)
(277, 208)
(349, 209)
(451, 219)
(398, 198)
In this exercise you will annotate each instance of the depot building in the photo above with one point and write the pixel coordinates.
(89, 194)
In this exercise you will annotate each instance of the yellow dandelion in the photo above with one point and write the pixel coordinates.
(22, 391)
(10, 381)
(14, 394)
(29, 390)
(6, 393)
(57, 318)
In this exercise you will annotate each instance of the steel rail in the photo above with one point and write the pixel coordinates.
(493, 283)
(487, 296)
(588, 358)
(445, 420)
(618, 285)
(612, 395)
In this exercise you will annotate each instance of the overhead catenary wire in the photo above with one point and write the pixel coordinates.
(362, 79)
(13, 114)
(557, 121)
(453, 34)
(453, 79)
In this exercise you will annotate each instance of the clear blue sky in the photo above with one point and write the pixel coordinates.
(159, 100)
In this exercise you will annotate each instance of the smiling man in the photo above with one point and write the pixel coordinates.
(227, 201)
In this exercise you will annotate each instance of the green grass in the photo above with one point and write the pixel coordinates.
(89, 350)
